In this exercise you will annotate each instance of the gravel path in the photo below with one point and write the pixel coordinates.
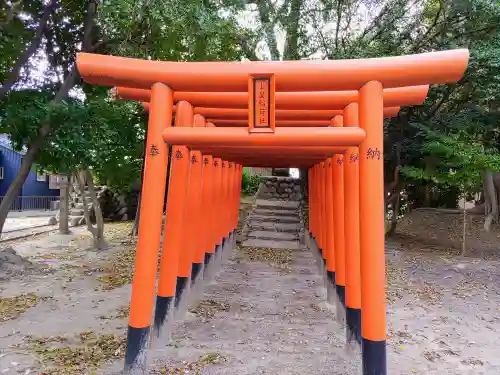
(276, 323)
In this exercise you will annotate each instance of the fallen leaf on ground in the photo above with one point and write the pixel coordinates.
(194, 367)
(12, 307)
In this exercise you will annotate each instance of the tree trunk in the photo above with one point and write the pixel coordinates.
(135, 228)
(291, 47)
(99, 237)
(396, 202)
(490, 198)
(427, 195)
(265, 9)
(13, 75)
(464, 232)
(29, 158)
(64, 207)
(69, 82)
(97, 231)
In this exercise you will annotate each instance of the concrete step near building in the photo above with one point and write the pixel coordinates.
(76, 220)
(76, 212)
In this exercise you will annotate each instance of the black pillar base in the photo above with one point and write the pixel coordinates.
(180, 288)
(374, 357)
(163, 305)
(341, 294)
(135, 354)
(218, 247)
(208, 258)
(353, 320)
(331, 276)
(195, 271)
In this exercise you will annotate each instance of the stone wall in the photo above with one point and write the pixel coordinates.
(114, 206)
(251, 171)
(281, 188)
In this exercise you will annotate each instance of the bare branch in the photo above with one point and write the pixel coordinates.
(265, 9)
(13, 75)
(337, 27)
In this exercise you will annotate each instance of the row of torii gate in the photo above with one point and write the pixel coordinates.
(326, 116)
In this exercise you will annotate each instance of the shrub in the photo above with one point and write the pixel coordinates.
(244, 181)
(253, 185)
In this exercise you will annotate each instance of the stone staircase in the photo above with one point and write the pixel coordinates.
(274, 224)
(76, 203)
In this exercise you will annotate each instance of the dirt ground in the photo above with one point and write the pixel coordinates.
(445, 231)
(67, 314)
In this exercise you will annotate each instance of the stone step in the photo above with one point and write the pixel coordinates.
(274, 212)
(280, 219)
(273, 226)
(266, 235)
(283, 205)
(272, 244)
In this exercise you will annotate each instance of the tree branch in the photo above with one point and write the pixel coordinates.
(13, 75)
(292, 31)
(264, 10)
(45, 129)
(433, 25)
(337, 28)
(248, 50)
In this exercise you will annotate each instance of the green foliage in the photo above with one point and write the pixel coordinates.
(102, 135)
(18, 21)
(89, 130)
(252, 185)
(175, 30)
(244, 181)
(454, 160)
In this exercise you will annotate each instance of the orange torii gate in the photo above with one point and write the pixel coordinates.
(323, 115)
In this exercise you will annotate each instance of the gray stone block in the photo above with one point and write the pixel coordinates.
(272, 212)
(282, 219)
(268, 235)
(262, 203)
(277, 227)
(272, 244)
(74, 221)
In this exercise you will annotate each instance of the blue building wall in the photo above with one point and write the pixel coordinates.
(11, 160)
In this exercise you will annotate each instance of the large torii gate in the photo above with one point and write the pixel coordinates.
(326, 116)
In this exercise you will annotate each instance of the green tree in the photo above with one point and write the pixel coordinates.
(332, 29)
(462, 162)
(169, 30)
